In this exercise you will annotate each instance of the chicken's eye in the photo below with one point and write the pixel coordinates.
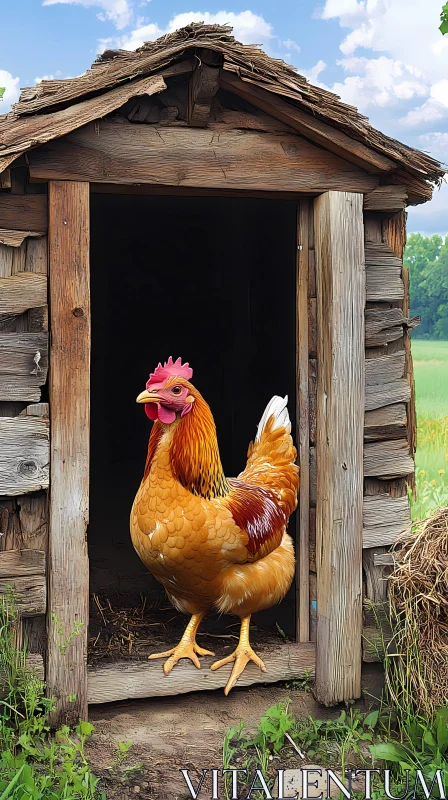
(176, 389)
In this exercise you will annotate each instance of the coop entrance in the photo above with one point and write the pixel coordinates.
(211, 279)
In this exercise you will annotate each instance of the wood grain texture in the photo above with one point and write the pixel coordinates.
(20, 292)
(386, 198)
(308, 125)
(303, 560)
(130, 680)
(69, 403)
(202, 87)
(385, 423)
(23, 365)
(384, 325)
(30, 592)
(19, 212)
(16, 238)
(339, 244)
(386, 394)
(119, 152)
(390, 459)
(385, 518)
(385, 369)
(384, 280)
(24, 455)
(36, 130)
(20, 563)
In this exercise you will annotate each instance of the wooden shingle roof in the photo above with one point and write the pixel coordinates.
(54, 108)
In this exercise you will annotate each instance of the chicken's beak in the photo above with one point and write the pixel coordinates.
(148, 397)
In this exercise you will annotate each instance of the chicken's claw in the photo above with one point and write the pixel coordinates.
(187, 647)
(241, 656)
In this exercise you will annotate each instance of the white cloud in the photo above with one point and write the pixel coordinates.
(248, 28)
(117, 11)
(12, 90)
(417, 61)
(431, 217)
(312, 75)
(290, 44)
(379, 82)
(436, 144)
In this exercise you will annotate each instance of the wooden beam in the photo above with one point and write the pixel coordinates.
(69, 403)
(202, 87)
(126, 680)
(384, 325)
(384, 280)
(20, 563)
(123, 153)
(385, 369)
(385, 519)
(386, 199)
(387, 394)
(339, 245)
(303, 560)
(390, 459)
(16, 238)
(385, 423)
(20, 292)
(30, 592)
(24, 455)
(23, 365)
(18, 211)
(308, 125)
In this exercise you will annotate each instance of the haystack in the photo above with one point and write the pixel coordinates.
(419, 600)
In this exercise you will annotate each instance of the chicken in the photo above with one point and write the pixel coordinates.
(213, 542)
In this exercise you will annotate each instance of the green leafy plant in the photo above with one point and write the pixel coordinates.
(34, 763)
(63, 642)
(443, 28)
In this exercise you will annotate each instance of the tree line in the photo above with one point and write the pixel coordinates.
(427, 260)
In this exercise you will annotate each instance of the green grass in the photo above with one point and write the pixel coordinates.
(431, 383)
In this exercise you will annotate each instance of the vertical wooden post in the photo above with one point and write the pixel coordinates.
(340, 275)
(69, 416)
(303, 426)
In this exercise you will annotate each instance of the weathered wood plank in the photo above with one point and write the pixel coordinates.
(119, 152)
(303, 561)
(384, 325)
(133, 679)
(384, 280)
(16, 238)
(386, 394)
(37, 256)
(307, 124)
(69, 402)
(24, 455)
(386, 198)
(385, 423)
(312, 381)
(20, 292)
(20, 563)
(23, 212)
(36, 130)
(30, 592)
(384, 559)
(385, 519)
(339, 244)
(385, 369)
(203, 85)
(388, 459)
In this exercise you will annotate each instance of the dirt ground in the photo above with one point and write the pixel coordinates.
(186, 732)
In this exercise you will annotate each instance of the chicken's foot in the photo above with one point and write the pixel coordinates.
(241, 656)
(187, 647)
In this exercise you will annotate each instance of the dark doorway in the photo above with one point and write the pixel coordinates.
(209, 279)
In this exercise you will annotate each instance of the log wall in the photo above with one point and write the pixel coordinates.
(390, 424)
(24, 414)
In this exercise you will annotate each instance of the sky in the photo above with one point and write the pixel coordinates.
(387, 57)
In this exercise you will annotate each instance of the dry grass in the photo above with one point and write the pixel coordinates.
(419, 603)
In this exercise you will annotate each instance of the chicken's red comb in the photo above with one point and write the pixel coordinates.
(170, 369)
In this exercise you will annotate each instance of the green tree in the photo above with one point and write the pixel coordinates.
(443, 28)
(427, 260)
(2, 92)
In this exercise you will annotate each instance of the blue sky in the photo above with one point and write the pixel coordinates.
(387, 57)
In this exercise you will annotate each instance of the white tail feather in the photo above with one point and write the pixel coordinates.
(278, 408)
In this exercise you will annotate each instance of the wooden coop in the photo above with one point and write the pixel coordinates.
(199, 198)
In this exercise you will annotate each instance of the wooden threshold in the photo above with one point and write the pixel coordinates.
(126, 680)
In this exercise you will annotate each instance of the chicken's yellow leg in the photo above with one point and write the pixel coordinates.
(241, 656)
(187, 647)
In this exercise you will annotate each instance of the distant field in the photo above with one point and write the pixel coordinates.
(431, 377)
(431, 384)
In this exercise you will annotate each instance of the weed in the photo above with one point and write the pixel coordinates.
(63, 642)
(35, 765)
